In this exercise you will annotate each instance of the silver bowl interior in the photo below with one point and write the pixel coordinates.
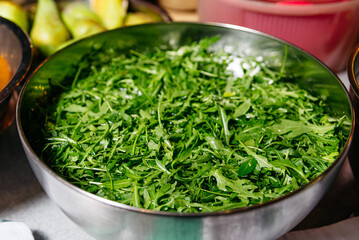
(105, 219)
(15, 47)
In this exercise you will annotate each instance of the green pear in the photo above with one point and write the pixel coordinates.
(81, 20)
(14, 13)
(111, 12)
(48, 30)
(85, 27)
(135, 18)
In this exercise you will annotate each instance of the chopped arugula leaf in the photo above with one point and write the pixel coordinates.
(177, 130)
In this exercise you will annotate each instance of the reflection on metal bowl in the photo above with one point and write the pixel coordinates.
(105, 219)
(16, 48)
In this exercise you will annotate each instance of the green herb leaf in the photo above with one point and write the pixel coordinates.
(247, 167)
(177, 130)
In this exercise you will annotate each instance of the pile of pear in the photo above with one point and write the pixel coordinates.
(52, 27)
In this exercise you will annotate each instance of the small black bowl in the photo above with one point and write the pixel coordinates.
(16, 48)
(353, 75)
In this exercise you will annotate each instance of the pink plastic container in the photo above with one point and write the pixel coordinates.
(328, 30)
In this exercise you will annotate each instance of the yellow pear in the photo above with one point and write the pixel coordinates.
(111, 12)
(48, 30)
(14, 13)
(81, 20)
(135, 18)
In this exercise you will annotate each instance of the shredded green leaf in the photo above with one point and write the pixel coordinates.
(176, 130)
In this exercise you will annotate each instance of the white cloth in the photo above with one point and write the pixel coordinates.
(15, 231)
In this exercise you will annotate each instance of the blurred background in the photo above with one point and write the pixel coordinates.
(327, 29)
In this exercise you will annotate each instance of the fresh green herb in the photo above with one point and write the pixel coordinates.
(176, 130)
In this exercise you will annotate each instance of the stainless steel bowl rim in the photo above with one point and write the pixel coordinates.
(25, 64)
(342, 154)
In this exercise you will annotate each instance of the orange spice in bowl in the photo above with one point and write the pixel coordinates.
(15, 61)
(5, 72)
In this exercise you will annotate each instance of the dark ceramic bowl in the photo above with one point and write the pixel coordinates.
(16, 48)
(353, 75)
(105, 219)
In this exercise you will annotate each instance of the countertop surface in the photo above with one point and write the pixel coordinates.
(23, 200)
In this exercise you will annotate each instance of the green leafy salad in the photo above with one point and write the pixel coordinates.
(177, 130)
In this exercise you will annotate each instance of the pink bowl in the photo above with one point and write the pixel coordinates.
(328, 30)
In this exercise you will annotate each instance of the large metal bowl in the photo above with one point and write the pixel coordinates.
(105, 219)
(16, 48)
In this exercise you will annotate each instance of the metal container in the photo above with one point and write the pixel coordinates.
(353, 75)
(105, 219)
(16, 48)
